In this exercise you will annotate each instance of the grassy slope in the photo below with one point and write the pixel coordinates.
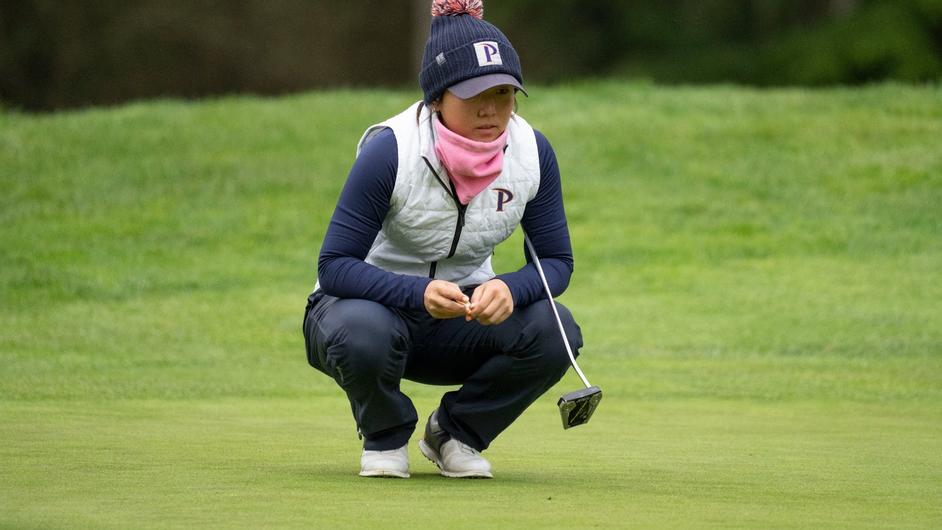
(757, 281)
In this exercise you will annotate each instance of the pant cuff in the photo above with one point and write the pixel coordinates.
(388, 440)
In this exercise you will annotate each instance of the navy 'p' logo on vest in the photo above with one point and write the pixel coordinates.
(503, 197)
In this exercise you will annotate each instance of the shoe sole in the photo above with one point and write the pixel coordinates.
(434, 458)
(384, 473)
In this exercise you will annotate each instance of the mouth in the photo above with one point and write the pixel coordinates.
(487, 132)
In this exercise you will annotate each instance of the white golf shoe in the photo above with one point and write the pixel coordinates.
(393, 463)
(453, 458)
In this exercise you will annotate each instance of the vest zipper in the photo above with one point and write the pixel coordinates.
(459, 225)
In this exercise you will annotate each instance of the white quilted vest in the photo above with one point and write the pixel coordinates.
(423, 233)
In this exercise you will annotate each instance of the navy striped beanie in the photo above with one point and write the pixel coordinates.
(462, 46)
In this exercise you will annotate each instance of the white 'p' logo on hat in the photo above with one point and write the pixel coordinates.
(488, 53)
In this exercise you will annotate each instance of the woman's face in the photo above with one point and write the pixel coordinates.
(483, 117)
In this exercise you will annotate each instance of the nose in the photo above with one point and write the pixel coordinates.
(488, 108)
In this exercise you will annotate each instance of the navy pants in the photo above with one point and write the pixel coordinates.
(368, 348)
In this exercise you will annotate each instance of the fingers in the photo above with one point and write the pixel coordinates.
(445, 300)
(491, 303)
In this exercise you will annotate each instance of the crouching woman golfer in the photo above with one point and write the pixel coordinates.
(405, 285)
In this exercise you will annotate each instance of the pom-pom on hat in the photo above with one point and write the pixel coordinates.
(466, 54)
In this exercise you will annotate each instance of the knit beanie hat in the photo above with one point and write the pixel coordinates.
(466, 54)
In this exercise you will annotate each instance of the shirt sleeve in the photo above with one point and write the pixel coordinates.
(544, 220)
(357, 219)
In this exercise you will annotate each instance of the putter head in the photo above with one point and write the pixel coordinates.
(577, 407)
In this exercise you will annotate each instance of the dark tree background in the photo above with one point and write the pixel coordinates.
(58, 54)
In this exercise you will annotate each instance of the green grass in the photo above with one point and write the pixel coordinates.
(757, 279)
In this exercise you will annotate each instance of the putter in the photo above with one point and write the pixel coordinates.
(575, 407)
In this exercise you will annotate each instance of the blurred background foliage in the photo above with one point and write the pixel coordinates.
(59, 54)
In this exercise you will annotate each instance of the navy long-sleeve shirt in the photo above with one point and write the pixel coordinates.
(362, 208)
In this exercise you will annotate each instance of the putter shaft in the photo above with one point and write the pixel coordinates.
(549, 294)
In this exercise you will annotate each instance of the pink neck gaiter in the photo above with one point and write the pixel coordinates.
(472, 165)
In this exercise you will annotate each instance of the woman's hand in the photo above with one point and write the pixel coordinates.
(491, 303)
(445, 300)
